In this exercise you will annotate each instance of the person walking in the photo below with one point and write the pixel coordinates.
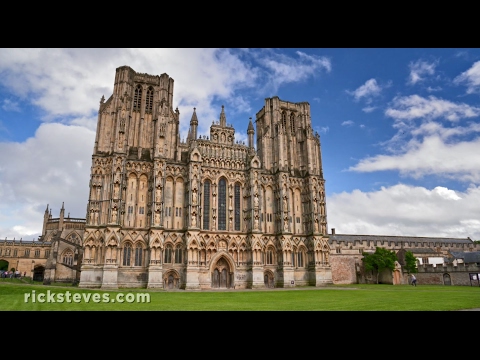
(414, 280)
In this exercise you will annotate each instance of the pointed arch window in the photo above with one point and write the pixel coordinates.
(292, 123)
(269, 256)
(138, 255)
(149, 100)
(206, 205)
(137, 98)
(127, 253)
(68, 258)
(168, 255)
(178, 255)
(222, 204)
(237, 207)
(284, 120)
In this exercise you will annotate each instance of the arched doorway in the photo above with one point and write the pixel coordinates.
(446, 279)
(222, 275)
(171, 280)
(38, 273)
(269, 279)
(4, 265)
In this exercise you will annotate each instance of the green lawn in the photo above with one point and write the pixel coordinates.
(18, 296)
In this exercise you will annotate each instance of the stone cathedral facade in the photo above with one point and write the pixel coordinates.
(208, 212)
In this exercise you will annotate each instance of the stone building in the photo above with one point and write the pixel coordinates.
(54, 257)
(209, 212)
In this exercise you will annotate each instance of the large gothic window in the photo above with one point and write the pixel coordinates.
(149, 100)
(138, 255)
(137, 99)
(237, 207)
(284, 120)
(178, 255)
(222, 204)
(168, 255)
(68, 258)
(127, 253)
(206, 205)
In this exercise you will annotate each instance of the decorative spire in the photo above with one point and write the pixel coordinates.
(192, 132)
(223, 118)
(250, 127)
(194, 120)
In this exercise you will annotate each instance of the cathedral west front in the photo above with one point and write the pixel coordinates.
(208, 212)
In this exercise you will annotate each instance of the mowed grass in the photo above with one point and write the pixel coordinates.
(358, 297)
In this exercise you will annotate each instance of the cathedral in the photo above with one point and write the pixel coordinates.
(207, 212)
(212, 212)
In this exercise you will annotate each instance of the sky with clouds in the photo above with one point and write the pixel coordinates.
(399, 127)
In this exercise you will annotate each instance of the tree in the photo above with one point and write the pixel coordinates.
(380, 260)
(410, 263)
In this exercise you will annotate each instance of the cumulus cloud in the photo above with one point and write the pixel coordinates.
(347, 123)
(279, 69)
(471, 78)
(50, 168)
(369, 109)
(417, 107)
(418, 69)
(368, 90)
(430, 156)
(407, 210)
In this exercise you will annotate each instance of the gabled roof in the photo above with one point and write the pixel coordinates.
(467, 256)
(398, 239)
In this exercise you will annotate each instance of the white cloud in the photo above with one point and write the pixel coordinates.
(367, 90)
(418, 69)
(283, 69)
(471, 78)
(433, 89)
(417, 107)
(407, 210)
(432, 155)
(50, 168)
(347, 123)
(9, 105)
(369, 109)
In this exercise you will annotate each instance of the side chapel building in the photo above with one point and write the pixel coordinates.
(210, 212)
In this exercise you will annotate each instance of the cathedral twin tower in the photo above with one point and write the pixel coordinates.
(210, 212)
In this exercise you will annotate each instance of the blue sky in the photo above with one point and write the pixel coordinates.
(399, 127)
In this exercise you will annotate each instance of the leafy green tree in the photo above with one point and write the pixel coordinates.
(410, 263)
(380, 260)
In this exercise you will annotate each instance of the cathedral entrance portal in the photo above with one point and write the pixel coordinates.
(171, 280)
(269, 280)
(222, 275)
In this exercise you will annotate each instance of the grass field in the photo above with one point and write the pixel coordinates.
(18, 296)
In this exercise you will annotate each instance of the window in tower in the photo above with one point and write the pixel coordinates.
(222, 204)
(206, 205)
(137, 99)
(138, 255)
(300, 259)
(237, 206)
(292, 123)
(168, 254)
(269, 257)
(284, 120)
(149, 100)
(127, 253)
(178, 255)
